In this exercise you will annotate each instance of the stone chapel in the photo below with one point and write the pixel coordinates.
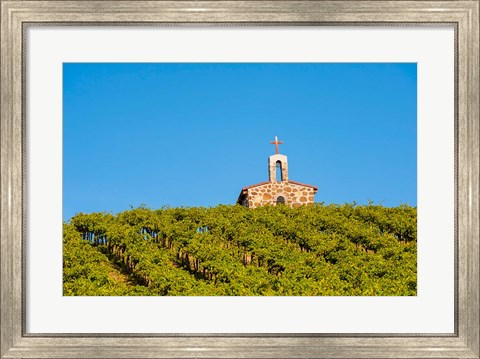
(279, 189)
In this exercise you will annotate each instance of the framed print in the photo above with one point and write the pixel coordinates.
(247, 276)
(133, 131)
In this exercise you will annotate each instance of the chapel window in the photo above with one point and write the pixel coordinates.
(279, 171)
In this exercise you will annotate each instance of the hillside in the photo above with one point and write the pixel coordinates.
(314, 250)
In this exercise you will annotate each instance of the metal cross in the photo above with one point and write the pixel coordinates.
(276, 143)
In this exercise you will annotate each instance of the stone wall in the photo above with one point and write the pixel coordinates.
(295, 194)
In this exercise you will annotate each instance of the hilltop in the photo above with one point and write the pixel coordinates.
(317, 250)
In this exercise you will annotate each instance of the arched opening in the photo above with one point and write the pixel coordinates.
(279, 171)
(280, 200)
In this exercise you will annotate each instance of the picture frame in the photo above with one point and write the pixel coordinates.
(17, 15)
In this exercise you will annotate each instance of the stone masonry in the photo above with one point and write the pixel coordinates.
(277, 190)
(294, 194)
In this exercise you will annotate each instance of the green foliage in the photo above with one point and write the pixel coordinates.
(87, 271)
(231, 250)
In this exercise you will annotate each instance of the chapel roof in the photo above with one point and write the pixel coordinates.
(289, 181)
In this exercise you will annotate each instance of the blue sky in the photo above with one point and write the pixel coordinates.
(194, 134)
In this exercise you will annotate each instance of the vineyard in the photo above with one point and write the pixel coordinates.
(319, 250)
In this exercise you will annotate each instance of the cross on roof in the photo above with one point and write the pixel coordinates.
(276, 143)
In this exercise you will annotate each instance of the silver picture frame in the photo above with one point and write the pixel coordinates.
(16, 16)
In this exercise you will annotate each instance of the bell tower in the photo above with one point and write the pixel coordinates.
(277, 165)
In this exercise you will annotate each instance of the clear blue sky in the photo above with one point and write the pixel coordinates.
(195, 134)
